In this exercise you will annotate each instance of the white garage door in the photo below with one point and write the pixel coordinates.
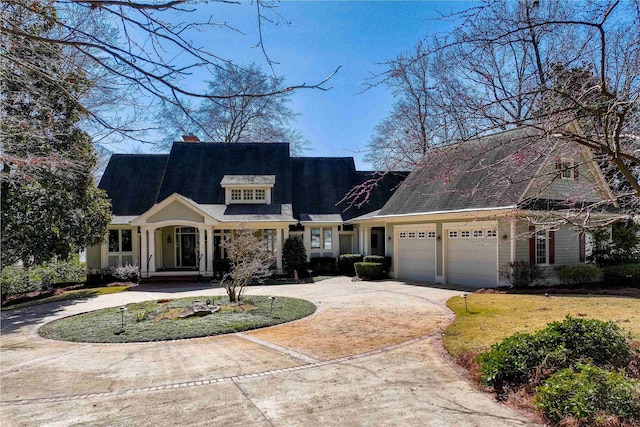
(472, 257)
(416, 254)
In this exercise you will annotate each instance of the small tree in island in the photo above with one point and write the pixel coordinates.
(249, 258)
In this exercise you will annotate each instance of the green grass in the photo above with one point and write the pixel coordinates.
(493, 317)
(69, 295)
(105, 325)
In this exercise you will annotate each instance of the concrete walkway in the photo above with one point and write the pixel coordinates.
(368, 356)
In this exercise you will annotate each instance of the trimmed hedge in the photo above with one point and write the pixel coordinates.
(323, 265)
(622, 275)
(41, 278)
(384, 260)
(346, 263)
(578, 274)
(369, 270)
(294, 257)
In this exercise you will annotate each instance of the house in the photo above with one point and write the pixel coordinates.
(461, 217)
(471, 209)
(171, 212)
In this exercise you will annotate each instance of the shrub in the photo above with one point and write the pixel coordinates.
(40, 278)
(384, 260)
(520, 274)
(127, 273)
(294, 257)
(590, 396)
(323, 265)
(527, 358)
(621, 247)
(369, 270)
(622, 275)
(578, 274)
(346, 263)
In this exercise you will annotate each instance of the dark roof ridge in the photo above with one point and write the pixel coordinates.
(228, 143)
(480, 138)
(140, 154)
(322, 158)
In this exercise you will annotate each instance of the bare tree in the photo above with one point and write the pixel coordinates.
(568, 71)
(237, 116)
(250, 260)
(136, 53)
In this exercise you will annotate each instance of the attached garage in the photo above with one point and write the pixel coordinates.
(471, 254)
(415, 252)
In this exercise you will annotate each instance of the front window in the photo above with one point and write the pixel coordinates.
(261, 194)
(236, 194)
(120, 246)
(247, 194)
(541, 247)
(321, 238)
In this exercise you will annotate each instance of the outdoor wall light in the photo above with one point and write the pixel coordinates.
(439, 238)
(505, 237)
(169, 239)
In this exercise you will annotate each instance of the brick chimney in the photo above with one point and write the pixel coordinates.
(190, 138)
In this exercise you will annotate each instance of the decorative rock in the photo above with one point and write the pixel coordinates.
(197, 310)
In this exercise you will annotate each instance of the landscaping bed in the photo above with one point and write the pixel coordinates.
(62, 293)
(159, 320)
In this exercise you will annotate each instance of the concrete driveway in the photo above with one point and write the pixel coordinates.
(368, 356)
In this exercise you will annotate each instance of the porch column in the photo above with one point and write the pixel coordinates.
(365, 240)
(279, 232)
(152, 250)
(202, 261)
(104, 250)
(210, 249)
(143, 252)
(286, 232)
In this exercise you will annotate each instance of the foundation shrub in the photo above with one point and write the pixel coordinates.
(323, 265)
(384, 260)
(127, 273)
(369, 270)
(590, 396)
(578, 274)
(294, 257)
(346, 263)
(531, 358)
(622, 275)
(520, 274)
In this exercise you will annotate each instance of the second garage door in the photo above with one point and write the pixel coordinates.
(471, 257)
(416, 254)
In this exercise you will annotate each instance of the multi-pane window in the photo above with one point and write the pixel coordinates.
(412, 234)
(247, 194)
(321, 238)
(491, 233)
(541, 247)
(402, 235)
(422, 234)
(120, 246)
(260, 194)
(327, 239)
(465, 233)
(431, 234)
(236, 194)
(477, 233)
(270, 239)
(453, 234)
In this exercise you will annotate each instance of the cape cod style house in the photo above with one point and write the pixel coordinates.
(458, 218)
(172, 212)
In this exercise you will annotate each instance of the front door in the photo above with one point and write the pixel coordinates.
(186, 247)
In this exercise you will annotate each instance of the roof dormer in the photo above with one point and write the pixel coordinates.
(248, 189)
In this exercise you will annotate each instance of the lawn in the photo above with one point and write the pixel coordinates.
(157, 320)
(69, 295)
(492, 317)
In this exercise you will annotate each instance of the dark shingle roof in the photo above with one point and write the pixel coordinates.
(384, 186)
(195, 170)
(132, 181)
(319, 183)
(488, 172)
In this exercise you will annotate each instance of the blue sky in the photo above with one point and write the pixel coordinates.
(320, 36)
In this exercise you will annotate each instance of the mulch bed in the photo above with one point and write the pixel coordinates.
(565, 290)
(36, 295)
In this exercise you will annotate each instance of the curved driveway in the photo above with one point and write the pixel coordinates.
(368, 356)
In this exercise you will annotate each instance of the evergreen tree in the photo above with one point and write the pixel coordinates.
(50, 204)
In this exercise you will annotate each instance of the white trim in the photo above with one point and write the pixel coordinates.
(142, 218)
(416, 227)
(447, 212)
(471, 224)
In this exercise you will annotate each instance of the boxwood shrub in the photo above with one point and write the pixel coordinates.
(531, 358)
(578, 274)
(622, 275)
(590, 396)
(323, 265)
(369, 270)
(345, 263)
(384, 260)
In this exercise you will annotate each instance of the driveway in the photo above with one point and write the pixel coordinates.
(370, 355)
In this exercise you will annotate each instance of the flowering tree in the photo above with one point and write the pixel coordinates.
(250, 260)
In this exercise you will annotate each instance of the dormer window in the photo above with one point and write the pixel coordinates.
(566, 169)
(248, 189)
